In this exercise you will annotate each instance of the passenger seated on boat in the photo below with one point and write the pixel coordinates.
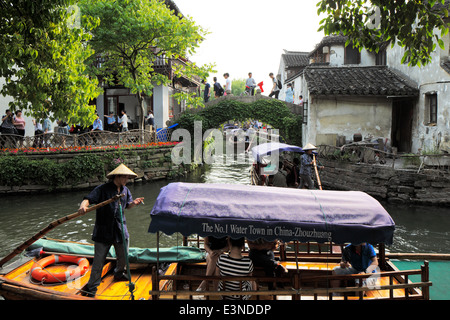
(356, 259)
(214, 247)
(262, 255)
(279, 179)
(293, 178)
(259, 169)
(234, 264)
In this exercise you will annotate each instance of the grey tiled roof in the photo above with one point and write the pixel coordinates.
(446, 66)
(295, 59)
(358, 81)
(327, 41)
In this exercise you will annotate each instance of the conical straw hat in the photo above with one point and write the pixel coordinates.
(309, 146)
(121, 170)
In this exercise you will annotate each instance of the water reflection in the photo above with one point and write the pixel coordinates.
(418, 229)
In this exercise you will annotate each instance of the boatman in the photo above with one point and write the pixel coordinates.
(108, 225)
(306, 166)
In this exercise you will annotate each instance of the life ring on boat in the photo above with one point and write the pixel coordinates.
(39, 273)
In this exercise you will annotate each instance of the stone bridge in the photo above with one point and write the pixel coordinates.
(294, 108)
(286, 117)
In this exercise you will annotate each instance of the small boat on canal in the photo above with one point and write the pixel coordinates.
(266, 157)
(312, 227)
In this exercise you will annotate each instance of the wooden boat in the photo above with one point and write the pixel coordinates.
(263, 167)
(325, 220)
(17, 282)
(312, 225)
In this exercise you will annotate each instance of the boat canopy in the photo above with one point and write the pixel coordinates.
(264, 149)
(271, 213)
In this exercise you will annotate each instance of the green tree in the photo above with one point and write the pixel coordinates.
(238, 86)
(42, 60)
(130, 38)
(410, 24)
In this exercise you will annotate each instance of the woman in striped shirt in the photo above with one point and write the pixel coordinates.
(234, 264)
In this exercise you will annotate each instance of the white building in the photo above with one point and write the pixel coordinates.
(430, 115)
(352, 93)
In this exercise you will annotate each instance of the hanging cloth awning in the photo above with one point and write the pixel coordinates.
(268, 148)
(271, 213)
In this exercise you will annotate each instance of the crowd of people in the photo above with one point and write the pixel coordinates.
(250, 86)
(225, 257)
(12, 128)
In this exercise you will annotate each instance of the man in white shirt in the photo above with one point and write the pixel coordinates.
(124, 121)
(228, 83)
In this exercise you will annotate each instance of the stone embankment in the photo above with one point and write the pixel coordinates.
(428, 187)
(149, 165)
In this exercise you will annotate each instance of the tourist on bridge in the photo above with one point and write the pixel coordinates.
(289, 94)
(207, 91)
(275, 90)
(218, 90)
(108, 224)
(250, 84)
(227, 83)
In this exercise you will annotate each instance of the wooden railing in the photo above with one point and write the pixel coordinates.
(92, 138)
(396, 286)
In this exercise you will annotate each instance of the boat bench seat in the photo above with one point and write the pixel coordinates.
(292, 265)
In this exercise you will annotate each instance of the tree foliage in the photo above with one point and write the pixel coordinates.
(42, 60)
(132, 35)
(410, 24)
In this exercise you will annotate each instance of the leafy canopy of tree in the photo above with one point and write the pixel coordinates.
(410, 24)
(132, 35)
(42, 60)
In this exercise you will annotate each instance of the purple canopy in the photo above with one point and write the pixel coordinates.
(271, 213)
(267, 148)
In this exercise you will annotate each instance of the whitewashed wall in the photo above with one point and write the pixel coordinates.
(430, 78)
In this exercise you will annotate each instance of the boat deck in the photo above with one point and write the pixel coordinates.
(181, 280)
(109, 289)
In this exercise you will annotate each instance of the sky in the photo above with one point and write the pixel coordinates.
(250, 35)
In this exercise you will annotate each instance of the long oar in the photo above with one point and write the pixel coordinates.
(53, 225)
(317, 172)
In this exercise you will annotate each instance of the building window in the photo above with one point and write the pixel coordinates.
(431, 107)
(352, 55)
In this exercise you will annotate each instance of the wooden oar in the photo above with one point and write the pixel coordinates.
(53, 225)
(317, 172)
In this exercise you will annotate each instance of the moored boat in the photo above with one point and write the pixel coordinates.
(312, 225)
(266, 158)
(324, 219)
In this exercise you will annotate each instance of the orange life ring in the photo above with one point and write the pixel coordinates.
(39, 273)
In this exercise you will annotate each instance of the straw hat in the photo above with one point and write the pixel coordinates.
(121, 170)
(309, 146)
